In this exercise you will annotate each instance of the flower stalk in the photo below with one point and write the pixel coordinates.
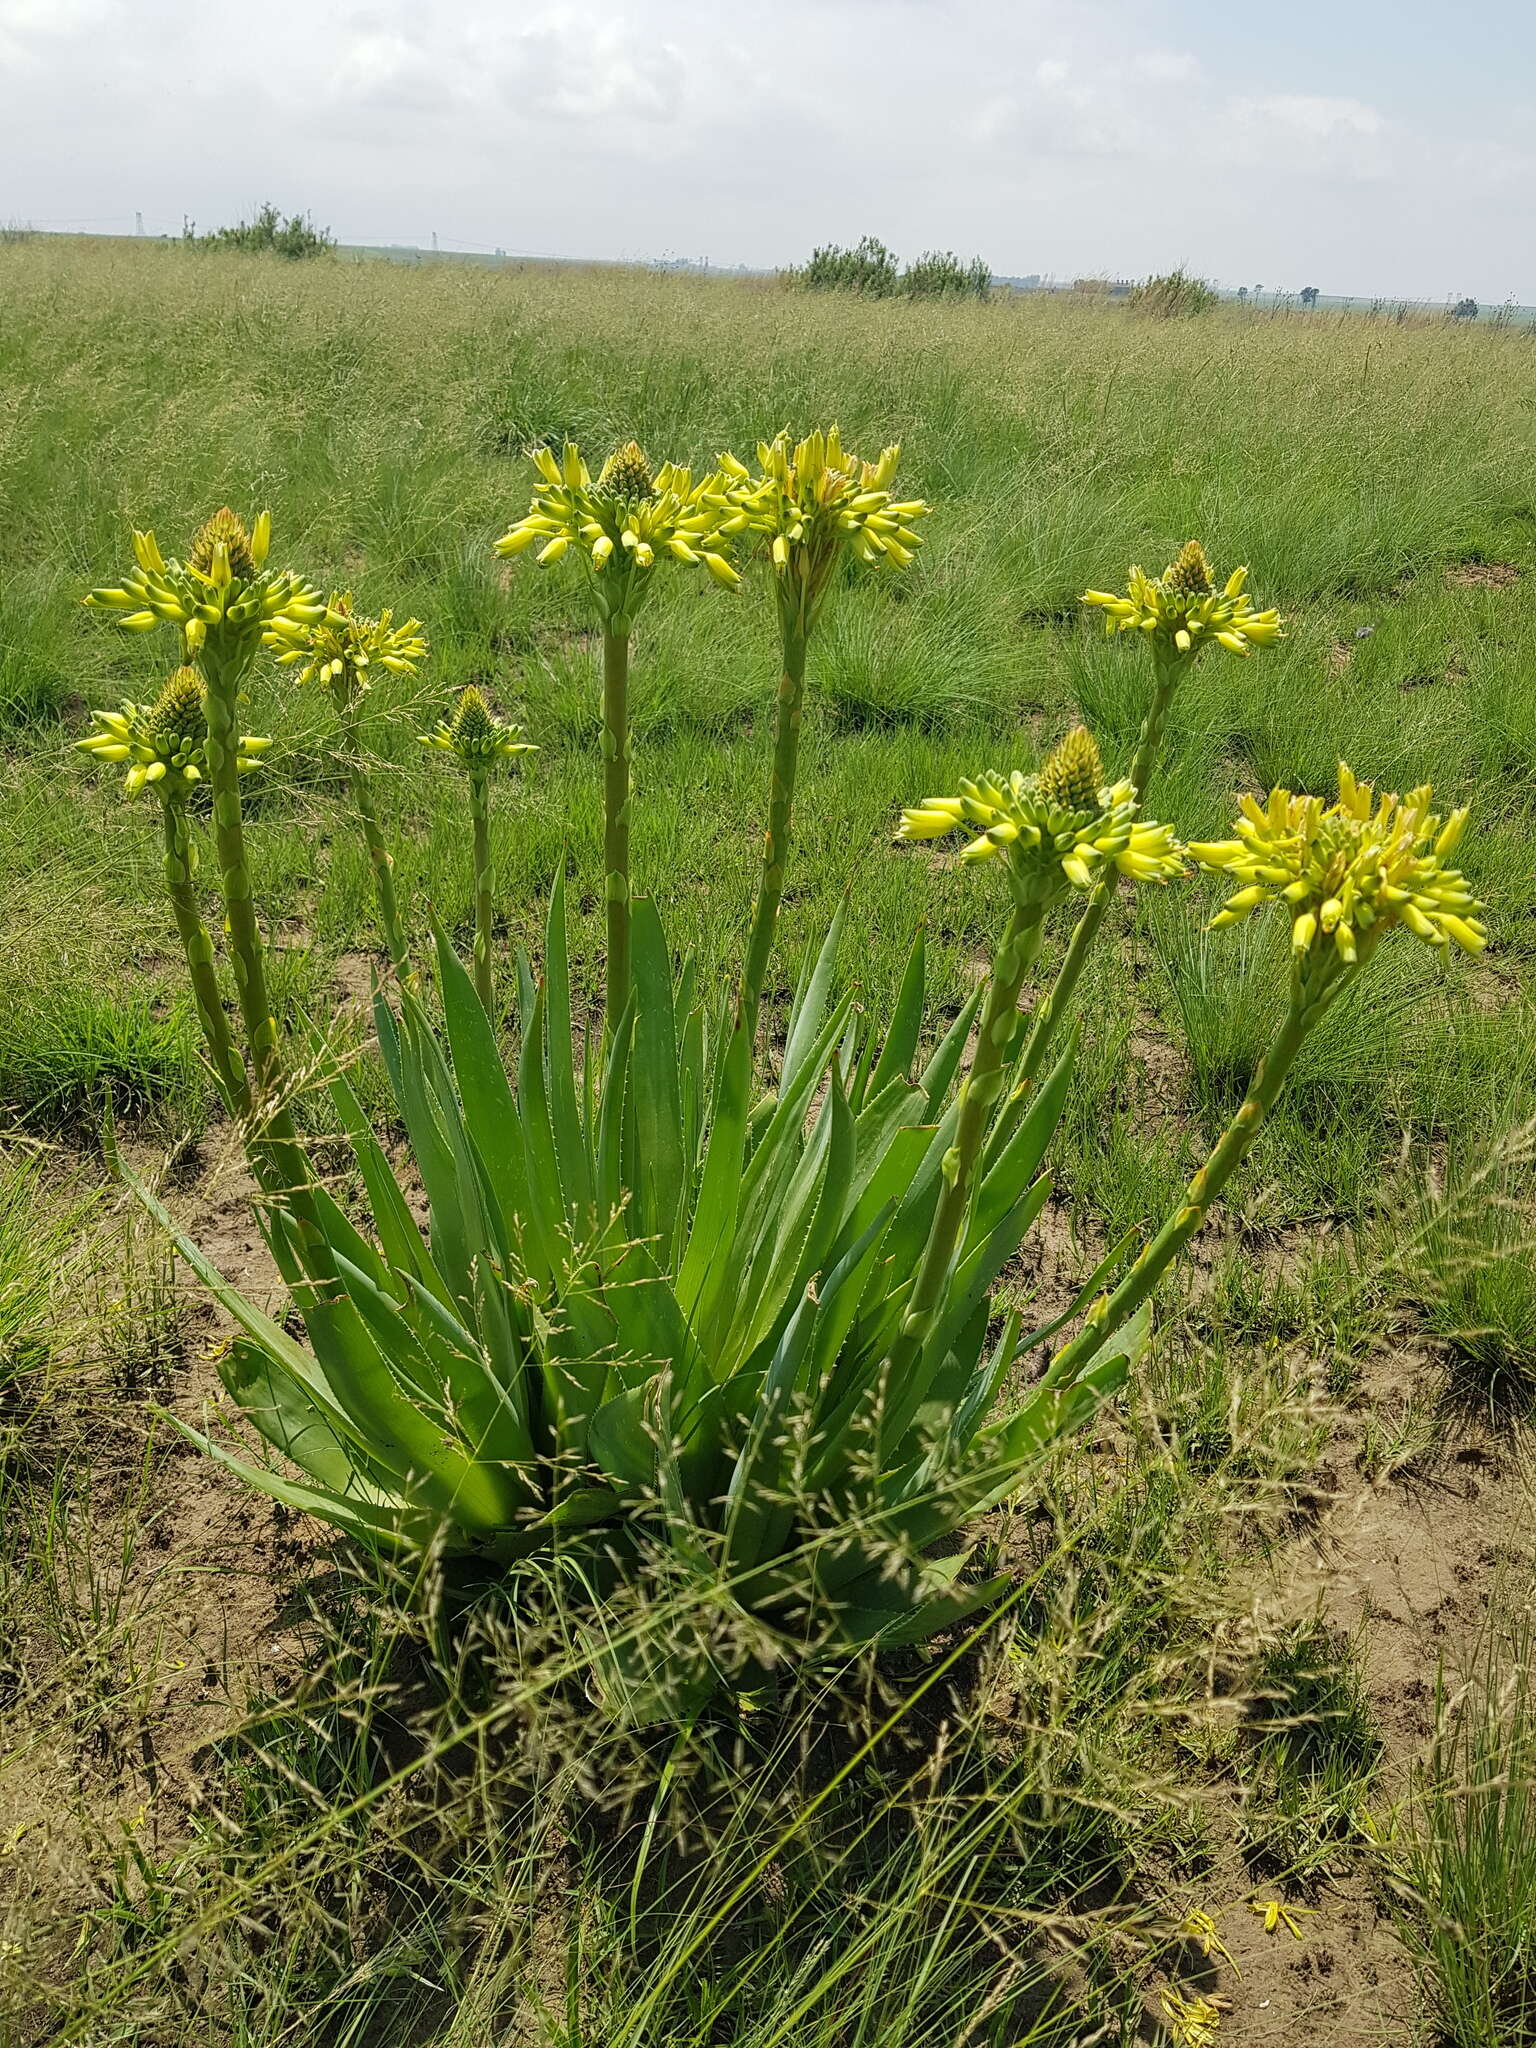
(1054, 1005)
(1345, 875)
(1056, 830)
(478, 740)
(1179, 613)
(381, 862)
(225, 603)
(621, 528)
(789, 706)
(289, 1168)
(809, 503)
(480, 833)
(341, 650)
(1112, 1311)
(616, 800)
(197, 945)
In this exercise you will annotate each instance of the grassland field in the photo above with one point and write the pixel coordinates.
(1272, 1640)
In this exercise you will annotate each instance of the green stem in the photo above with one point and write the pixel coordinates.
(1016, 954)
(789, 707)
(380, 860)
(1112, 1311)
(197, 945)
(1053, 1006)
(480, 813)
(280, 1159)
(616, 820)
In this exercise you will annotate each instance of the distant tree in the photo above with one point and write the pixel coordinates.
(294, 239)
(1242, 293)
(1465, 309)
(1308, 295)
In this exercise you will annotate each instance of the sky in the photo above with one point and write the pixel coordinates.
(1369, 147)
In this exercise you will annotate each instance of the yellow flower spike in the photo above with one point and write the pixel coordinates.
(1348, 872)
(811, 499)
(475, 736)
(164, 742)
(1182, 609)
(624, 523)
(340, 647)
(222, 590)
(1056, 829)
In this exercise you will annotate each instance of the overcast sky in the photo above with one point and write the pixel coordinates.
(1365, 146)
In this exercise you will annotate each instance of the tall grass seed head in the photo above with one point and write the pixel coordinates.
(1054, 829)
(623, 525)
(1182, 610)
(1348, 872)
(222, 597)
(475, 736)
(810, 500)
(341, 649)
(163, 744)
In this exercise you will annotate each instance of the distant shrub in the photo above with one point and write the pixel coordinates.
(1174, 296)
(939, 274)
(1308, 295)
(1465, 309)
(871, 269)
(868, 268)
(294, 239)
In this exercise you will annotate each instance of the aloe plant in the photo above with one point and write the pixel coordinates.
(626, 1316)
(649, 1312)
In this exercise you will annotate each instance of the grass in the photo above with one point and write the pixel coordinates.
(1470, 1851)
(280, 1808)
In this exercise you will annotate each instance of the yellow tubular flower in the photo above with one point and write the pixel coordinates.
(1348, 872)
(341, 649)
(624, 524)
(1056, 829)
(163, 743)
(811, 499)
(1192, 2022)
(475, 736)
(221, 596)
(1183, 610)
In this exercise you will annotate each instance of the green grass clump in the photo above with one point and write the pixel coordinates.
(1316, 1747)
(41, 1226)
(71, 1051)
(1469, 1910)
